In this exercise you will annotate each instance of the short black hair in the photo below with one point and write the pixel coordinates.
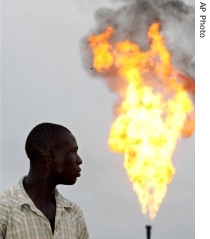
(42, 137)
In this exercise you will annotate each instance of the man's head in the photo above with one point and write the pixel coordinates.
(52, 149)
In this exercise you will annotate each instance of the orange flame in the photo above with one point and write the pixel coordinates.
(155, 111)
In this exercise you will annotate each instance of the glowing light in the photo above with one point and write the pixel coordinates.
(155, 111)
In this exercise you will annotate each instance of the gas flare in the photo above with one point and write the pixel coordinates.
(155, 111)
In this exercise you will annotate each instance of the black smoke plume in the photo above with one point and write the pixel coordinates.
(132, 20)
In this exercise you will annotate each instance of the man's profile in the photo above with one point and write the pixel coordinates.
(34, 208)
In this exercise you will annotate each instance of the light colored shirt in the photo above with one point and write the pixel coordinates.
(21, 219)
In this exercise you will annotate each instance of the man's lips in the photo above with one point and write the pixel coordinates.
(79, 172)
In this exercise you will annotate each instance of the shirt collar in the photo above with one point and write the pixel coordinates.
(23, 197)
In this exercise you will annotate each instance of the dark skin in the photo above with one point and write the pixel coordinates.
(56, 165)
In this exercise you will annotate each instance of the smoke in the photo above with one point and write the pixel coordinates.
(132, 20)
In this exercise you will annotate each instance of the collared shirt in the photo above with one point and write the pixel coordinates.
(21, 219)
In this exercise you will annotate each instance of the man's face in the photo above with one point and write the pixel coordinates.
(67, 161)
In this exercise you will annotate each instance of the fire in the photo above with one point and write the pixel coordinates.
(155, 111)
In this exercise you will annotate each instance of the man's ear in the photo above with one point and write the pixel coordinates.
(51, 154)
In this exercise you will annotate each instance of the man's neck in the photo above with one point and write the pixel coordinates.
(39, 188)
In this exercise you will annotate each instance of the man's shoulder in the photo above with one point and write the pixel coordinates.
(7, 199)
(78, 218)
(8, 195)
(74, 206)
(68, 204)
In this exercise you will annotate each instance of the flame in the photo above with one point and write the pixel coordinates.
(155, 111)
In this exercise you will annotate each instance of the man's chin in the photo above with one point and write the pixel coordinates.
(70, 182)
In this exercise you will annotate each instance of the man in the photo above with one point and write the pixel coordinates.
(34, 208)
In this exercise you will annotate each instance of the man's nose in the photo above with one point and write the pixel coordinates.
(79, 160)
